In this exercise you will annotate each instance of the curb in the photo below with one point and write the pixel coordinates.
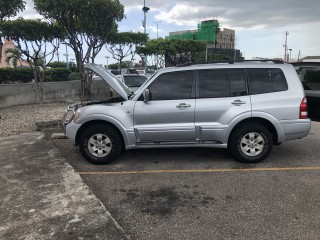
(49, 125)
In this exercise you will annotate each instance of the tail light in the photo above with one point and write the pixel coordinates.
(304, 109)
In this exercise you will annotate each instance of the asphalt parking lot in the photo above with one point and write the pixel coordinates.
(205, 194)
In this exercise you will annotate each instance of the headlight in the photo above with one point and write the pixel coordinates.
(75, 116)
(69, 113)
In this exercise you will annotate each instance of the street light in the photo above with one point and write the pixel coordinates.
(145, 10)
(157, 26)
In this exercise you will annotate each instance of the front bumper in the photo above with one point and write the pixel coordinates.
(69, 127)
(71, 130)
(68, 115)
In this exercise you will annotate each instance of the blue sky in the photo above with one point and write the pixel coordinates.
(260, 25)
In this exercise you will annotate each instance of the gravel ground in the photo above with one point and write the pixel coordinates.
(21, 119)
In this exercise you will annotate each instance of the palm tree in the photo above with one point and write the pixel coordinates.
(13, 56)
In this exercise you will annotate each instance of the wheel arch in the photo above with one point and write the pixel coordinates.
(93, 122)
(262, 121)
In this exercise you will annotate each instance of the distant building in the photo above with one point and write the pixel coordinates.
(219, 41)
(7, 45)
(311, 59)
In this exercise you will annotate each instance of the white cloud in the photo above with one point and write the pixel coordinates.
(246, 14)
(29, 11)
(250, 19)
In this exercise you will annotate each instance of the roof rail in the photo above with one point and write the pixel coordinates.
(232, 62)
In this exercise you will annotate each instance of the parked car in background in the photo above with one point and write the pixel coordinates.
(133, 81)
(132, 71)
(309, 74)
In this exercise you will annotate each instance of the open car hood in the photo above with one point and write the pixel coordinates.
(111, 79)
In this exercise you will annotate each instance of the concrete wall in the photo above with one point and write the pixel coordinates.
(26, 93)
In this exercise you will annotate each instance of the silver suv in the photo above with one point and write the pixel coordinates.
(246, 107)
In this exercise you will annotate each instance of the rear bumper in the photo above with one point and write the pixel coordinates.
(295, 129)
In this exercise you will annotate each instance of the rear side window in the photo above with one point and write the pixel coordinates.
(222, 83)
(266, 80)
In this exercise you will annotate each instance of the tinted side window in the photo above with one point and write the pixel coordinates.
(237, 80)
(222, 83)
(171, 86)
(266, 80)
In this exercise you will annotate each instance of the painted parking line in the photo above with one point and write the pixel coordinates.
(223, 170)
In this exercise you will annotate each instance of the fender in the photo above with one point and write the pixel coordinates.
(127, 133)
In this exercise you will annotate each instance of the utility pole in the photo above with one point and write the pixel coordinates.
(290, 49)
(58, 55)
(107, 57)
(299, 56)
(1, 46)
(157, 27)
(285, 47)
(67, 56)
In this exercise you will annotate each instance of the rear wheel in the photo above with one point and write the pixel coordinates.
(100, 144)
(251, 143)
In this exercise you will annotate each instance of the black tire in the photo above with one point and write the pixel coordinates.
(100, 143)
(250, 143)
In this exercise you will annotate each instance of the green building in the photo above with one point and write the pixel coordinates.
(219, 41)
(207, 31)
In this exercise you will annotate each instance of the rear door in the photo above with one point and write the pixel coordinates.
(221, 97)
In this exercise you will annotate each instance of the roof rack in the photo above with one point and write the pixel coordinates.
(276, 61)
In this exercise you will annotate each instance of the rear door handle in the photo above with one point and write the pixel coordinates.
(238, 102)
(183, 106)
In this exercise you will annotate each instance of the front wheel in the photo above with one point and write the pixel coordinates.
(100, 144)
(251, 143)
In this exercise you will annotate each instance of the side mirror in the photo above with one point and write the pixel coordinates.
(146, 95)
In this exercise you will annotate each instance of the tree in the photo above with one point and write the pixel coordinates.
(87, 24)
(32, 38)
(172, 51)
(122, 45)
(13, 56)
(211, 57)
(154, 49)
(10, 8)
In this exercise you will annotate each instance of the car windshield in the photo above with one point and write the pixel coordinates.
(134, 80)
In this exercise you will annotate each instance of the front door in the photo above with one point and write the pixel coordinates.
(169, 114)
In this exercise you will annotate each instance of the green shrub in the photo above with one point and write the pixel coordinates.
(24, 75)
(313, 76)
(57, 64)
(57, 74)
(74, 76)
(15, 75)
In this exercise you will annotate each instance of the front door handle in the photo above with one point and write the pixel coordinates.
(183, 106)
(238, 102)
